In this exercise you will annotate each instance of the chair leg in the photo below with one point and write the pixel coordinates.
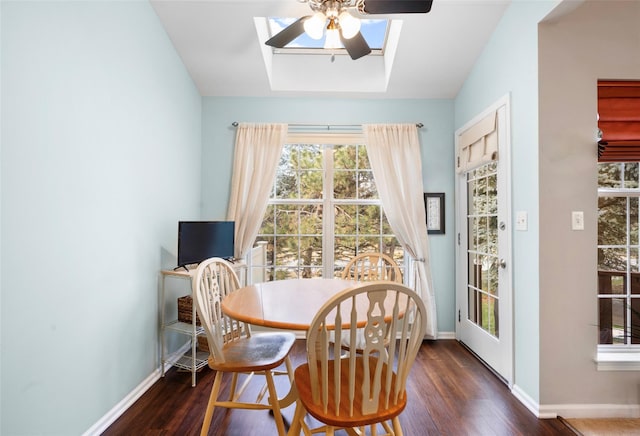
(298, 416)
(215, 389)
(275, 405)
(234, 384)
(397, 430)
(287, 362)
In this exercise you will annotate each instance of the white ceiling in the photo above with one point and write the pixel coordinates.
(219, 44)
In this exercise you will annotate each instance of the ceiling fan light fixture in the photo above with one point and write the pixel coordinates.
(349, 25)
(332, 39)
(314, 26)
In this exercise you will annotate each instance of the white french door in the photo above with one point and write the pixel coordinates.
(483, 255)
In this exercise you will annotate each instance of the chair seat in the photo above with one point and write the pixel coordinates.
(262, 351)
(302, 380)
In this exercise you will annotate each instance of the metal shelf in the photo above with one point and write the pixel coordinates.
(184, 328)
(185, 360)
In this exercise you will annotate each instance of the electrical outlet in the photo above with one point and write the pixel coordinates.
(577, 220)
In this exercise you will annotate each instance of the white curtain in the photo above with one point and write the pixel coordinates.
(394, 153)
(257, 151)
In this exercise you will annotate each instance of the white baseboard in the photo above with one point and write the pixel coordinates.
(124, 404)
(113, 414)
(550, 411)
(592, 410)
(528, 402)
(446, 335)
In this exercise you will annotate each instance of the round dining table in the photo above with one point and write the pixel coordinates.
(283, 304)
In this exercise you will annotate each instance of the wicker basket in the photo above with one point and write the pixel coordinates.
(185, 310)
(203, 345)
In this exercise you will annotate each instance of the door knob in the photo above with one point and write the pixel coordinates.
(502, 263)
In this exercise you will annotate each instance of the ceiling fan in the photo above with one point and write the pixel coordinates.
(341, 26)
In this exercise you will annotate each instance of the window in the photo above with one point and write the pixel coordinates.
(302, 240)
(618, 256)
(374, 31)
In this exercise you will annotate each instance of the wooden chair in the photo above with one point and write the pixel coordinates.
(233, 348)
(360, 389)
(366, 267)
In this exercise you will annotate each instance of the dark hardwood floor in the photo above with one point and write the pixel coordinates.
(450, 393)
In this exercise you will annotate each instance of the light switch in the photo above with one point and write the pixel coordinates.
(577, 220)
(521, 220)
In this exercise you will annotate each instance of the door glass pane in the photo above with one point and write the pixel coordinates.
(482, 225)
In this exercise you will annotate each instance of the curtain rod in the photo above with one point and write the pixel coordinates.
(328, 126)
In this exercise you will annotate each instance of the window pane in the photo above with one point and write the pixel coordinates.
(269, 248)
(344, 157)
(482, 235)
(480, 200)
(475, 271)
(286, 251)
(609, 175)
(369, 244)
(286, 219)
(286, 273)
(611, 282)
(612, 221)
(635, 321)
(473, 308)
(363, 158)
(473, 233)
(311, 184)
(492, 276)
(492, 194)
(631, 174)
(268, 225)
(344, 249)
(633, 221)
(311, 220)
(489, 314)
(391, 247)
(386, 227)
(612, 259)
(311, 250)
(369, 219)
(310, 157)
(345, 219)
(366, 185)
(345, 185)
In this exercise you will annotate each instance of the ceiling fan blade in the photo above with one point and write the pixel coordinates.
(397, 6)
(356, 46)
(288, 34)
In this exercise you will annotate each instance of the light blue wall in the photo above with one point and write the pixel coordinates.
(437, 157)
(101, 142)
(508, 65)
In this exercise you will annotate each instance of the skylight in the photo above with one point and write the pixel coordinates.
(374, 32)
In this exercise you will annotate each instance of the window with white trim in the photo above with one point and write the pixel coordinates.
(303, 240)
(618, 259)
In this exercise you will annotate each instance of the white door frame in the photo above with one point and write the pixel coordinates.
(502, 106)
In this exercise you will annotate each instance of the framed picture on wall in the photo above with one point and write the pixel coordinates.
(434, 207)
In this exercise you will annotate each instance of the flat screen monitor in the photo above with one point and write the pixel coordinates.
(200, 240)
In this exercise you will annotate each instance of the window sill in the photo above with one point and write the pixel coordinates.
(618, 360)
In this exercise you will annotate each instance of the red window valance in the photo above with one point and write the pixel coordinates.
(619, 120)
